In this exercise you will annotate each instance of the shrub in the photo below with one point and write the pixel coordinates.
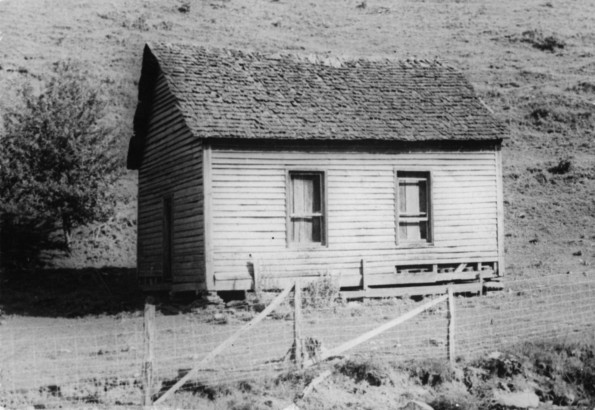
(563, 167)
(432, 372)
(541, 42)
(320, 293)
(184, 7)
(372, 371)
(558, 113)
(140, 23)
(58, 161)
(569, 368)
(503, 365)
(583, 87)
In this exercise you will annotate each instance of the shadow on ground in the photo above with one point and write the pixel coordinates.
(70, 292)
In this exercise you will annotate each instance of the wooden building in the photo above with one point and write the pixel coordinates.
(256, 169)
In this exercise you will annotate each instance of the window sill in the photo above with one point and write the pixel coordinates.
(309, 247)
(415, 245)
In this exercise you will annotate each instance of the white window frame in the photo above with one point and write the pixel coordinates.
(322, 173)
(428, 218)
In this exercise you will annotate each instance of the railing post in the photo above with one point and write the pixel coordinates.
(149, 337)
(297, 325)
(364, 279)
(256, 276)
(451, 326)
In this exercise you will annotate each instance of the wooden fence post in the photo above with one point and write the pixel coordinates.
(297, 325)
(256, 272)
(374, 332)
(149, 337)
(451, 326)
(364, 279)
(228, 342)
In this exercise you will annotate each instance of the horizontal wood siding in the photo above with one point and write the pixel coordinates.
(172, 165)
(249, 211)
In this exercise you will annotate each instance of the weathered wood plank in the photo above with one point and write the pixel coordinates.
(353, 280)
(248, 205)
(167, 169)
(224, 154)
(411, 290)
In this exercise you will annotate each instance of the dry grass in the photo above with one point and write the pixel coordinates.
(321, 293)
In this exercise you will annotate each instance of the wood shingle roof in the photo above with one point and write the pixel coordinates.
(233, 94)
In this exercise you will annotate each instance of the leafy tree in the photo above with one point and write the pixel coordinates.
(58, 158)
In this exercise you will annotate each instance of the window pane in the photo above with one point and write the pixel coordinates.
(306, 230)
(402, 231)
(306, 194)
(412, 197)
(423, 230)
(413, 231)
(317, 229)
(301, 229)
(423, 202)
(402, 197)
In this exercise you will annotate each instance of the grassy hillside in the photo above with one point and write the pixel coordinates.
(532, 62)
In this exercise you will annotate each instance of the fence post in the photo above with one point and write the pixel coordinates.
(228, 342)
(149, 337)
(297, 324)
(256, 276)
(364, 279)
(451, 326)
(374, 332)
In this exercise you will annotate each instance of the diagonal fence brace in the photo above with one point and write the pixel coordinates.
(375, 332)
(228, 342)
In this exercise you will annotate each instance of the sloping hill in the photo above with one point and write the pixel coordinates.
(532, 62)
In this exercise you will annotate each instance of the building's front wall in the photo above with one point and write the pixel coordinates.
(248, 219)
(171, 170)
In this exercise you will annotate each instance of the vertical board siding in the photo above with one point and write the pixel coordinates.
(172, 165)
(249, 211)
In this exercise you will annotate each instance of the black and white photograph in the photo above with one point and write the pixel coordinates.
(297, 205)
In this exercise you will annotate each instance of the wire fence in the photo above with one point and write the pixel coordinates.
(100, 361)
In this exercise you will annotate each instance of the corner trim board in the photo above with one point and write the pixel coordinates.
(208, 215)
(500, 205)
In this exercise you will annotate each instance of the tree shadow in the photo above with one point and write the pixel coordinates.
(29, 288)
(71, 292)
(26, 245)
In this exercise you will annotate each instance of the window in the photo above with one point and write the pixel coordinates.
(306, 221)
(413, 207)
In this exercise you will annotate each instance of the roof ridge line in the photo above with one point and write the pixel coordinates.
(322, 59)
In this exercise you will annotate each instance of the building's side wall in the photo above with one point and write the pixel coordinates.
(248, 211)
(171, 166)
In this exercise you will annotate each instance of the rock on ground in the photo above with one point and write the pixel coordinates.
(521, 399)
(416, 405)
